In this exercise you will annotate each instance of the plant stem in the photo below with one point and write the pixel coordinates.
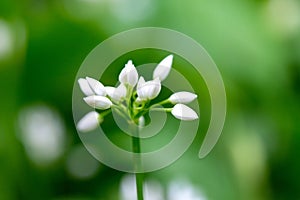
(139, 185)
(136, 146)
(162, 109)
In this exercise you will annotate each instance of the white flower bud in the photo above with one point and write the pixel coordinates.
(96, 86)
(129, 74)
(163, 68)
(141, 121)
(183, 112)
(98, 102)
(148, 90)
(182, 97)
(85, 87)
(116, 94)
(89, 122)
(90, 86)
(141, 82)
(110, 90)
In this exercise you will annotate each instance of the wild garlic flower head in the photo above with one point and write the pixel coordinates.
(132, 97)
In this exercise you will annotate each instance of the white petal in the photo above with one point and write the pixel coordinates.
(149, 90)
(141, 82)
(129, 74)
(85, 87)
(119, 93)
(183, 112)
(98, 102)
(156, 89)
(96, 86)
(132, 74)
(110, 90)
(142, 94)
(121, 90)
(89, 122)
(163, 68)
(143, 90)
(122, 76)
(182, 97)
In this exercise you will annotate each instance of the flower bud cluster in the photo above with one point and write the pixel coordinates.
(132, 97)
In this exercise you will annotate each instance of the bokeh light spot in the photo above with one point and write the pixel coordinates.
(80, 164)
(6, 40)
(42, 133)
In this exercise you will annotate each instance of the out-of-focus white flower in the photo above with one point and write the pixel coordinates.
(183, 112)
(80, 164)
(182, 97)
(116, 94)
(163, 68)
(98, 102)
(148, 90)
(43, 133)
(89, 122)
(183, 189)
(90, 86)
(153, 190)
(129, 74)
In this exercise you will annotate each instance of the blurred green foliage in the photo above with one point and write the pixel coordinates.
(256, 45)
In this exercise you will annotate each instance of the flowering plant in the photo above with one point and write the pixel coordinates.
(131, 99)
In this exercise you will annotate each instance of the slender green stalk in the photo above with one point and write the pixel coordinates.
(136, 146)
(162, 109)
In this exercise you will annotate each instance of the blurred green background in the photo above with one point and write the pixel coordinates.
(255, 44)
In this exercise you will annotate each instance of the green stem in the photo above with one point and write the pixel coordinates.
(104, 113)
(136, 146)
(164, 102)
(162, 109)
